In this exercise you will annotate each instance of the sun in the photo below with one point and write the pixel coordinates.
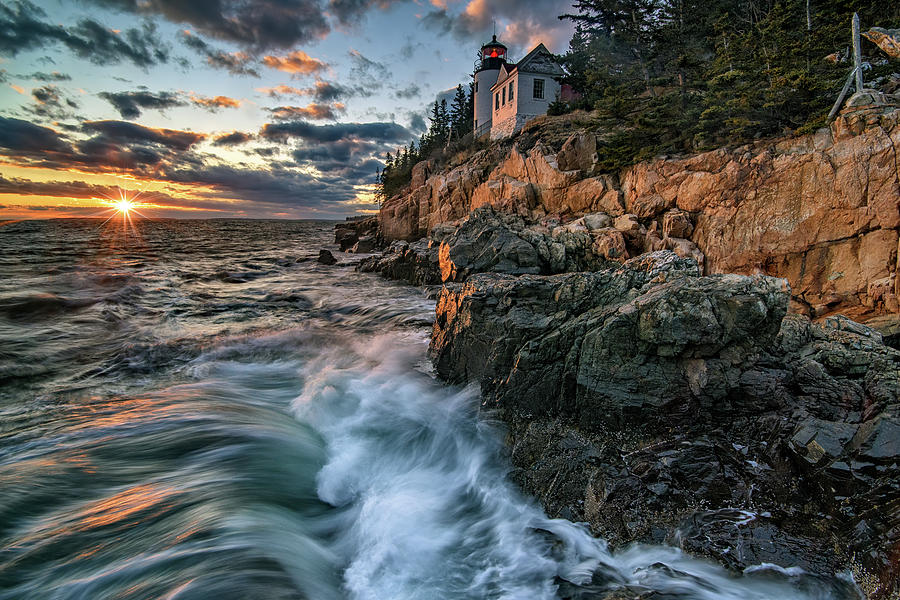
(124, 206)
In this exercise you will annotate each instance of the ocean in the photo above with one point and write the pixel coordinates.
(199, 409)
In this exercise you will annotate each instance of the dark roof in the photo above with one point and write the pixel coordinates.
(493, 43)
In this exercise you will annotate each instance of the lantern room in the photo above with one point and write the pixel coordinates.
(493, 55)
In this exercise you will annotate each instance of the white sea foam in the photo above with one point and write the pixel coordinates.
(430, 513)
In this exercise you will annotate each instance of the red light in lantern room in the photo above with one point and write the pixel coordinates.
(494, 54)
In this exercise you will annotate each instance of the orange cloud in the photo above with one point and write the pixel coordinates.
(311, 111)
(18, 88)
(283, 90)
(217, 102)
(477, 10)
(297, 62)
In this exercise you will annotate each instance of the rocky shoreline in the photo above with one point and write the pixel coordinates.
(652, 396)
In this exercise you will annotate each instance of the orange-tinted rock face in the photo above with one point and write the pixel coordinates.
(822, 210)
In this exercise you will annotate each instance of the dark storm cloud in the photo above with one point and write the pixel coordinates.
(347, 161)
(257, 24)
(119, 131)
(341, 152)
(383, 132)
(54, 76)
(277, 186)
(67, 189)
(114, 144)
(232, 139)
(168, 155)
(22, 136)
(21, 28)
(129, 104)
(236, 63)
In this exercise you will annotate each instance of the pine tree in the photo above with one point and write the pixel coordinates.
(458, 113)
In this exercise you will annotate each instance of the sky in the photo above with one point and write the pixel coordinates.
(231, 108)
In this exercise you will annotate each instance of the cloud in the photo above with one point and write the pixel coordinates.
(417, 122)
(315, 111)
(66, 189)
(343, 160)
(215, 102)
(21, 29)
(54, 76)
(50, 102)
(522, 24)
(22, 136)
(46, 94)
(232, 139)
(256, 24)
(383, 132)
(131, 132)
(129, 104)
(236, 63)
(278, 186)
(410, 91)
(349, 12)
(326, 91)
(322, 91)
(369, 75)
(296, 63)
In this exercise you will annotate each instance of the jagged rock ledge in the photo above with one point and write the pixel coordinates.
(820, 210)
(660, 405)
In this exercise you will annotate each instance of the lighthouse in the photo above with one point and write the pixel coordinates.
(507, 95)
(490, 59)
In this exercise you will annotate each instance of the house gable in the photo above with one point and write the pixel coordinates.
(506, 71)
(540, 60)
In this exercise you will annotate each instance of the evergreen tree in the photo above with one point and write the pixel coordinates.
(684, 75)
(444, 125)
(459, 113)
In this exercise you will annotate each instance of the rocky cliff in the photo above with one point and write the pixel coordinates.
(821, 210)
(660, 405)
(645, 335)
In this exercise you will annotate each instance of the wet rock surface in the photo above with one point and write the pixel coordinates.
(415, 263)
(326, 257)
(663, 406)
(348, 233)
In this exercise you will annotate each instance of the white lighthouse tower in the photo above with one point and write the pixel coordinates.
(487, 69)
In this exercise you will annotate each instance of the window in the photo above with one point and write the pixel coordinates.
(504, 97)
(539, 89)
(510, 91)
(497, 101)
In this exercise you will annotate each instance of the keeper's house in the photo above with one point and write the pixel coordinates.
(509, 94)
